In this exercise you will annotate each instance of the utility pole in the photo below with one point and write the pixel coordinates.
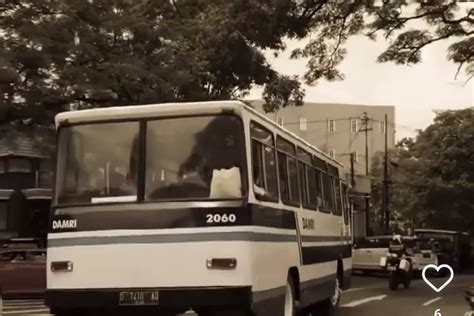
(365, 121)
(386, 210)
(352, 169)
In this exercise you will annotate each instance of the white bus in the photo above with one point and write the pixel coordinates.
(206, 207)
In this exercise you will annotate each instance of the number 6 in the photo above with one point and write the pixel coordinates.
(224, 218)
(437, 313)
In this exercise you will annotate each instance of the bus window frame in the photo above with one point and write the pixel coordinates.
(262, 146)
(306, 164)
(320, 179)
(142, 159)
(286, 154)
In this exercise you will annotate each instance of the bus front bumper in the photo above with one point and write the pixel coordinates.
(173, 299)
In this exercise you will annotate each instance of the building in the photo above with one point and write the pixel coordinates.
(25, 180)
(339, 130)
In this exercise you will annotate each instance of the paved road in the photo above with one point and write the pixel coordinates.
(24, 307)
(369, 296)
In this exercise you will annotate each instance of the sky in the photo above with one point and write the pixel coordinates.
(415, 90)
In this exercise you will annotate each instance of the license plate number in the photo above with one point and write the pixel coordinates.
(139, 298)
(391, 268)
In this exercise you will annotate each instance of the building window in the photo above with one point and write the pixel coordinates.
(303, 124)
(19, 165)
(354, 125)
(382, 127)
(280, 120)
(332, 153)
(331, 126)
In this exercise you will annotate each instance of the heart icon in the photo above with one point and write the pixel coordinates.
(437, 268)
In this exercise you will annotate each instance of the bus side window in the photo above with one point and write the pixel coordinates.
(288, 172)
(304, 163)
(303, 183)
(263, 163)
(345, 204)
(294, 185)
(313, 187)
(283, 177)
(328, 193)
(338, 197)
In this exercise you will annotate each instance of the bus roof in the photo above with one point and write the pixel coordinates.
(171, 109)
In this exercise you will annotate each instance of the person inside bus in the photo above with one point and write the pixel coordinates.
(218, 147)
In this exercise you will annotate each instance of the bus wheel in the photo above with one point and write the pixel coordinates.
(289, 308)
(226, 312)
(328, 307)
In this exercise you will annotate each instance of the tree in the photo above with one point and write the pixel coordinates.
(444, 20)
(432, 177)
(446, 151)
(112, 52)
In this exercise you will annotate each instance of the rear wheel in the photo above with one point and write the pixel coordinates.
(328, 307)
(407, 281)
(227, 312)
(289, 308)
(393, 280)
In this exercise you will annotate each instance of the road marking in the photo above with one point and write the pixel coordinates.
(365, 300)
(24, 307)
(28, 311)
(432, 301)
(363, 288)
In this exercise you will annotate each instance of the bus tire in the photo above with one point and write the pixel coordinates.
(289, 309)
(227, 312)
(329, 306)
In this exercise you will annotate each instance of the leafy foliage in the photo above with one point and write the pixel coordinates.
(432, 179)
(98, 53)
(443, 19)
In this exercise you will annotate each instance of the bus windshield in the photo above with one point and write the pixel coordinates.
(194, 158)
(186, 158)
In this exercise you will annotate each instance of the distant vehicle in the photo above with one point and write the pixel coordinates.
(399, 262)
(22, 272)
(453, 247)
(21, 243)
(423, 255)
(367, 254)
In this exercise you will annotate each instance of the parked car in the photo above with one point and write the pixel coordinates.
(423, 255)
(22, 272)
(454, 247)
(367, 254)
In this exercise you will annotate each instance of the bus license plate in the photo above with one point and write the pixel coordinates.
(139, 298)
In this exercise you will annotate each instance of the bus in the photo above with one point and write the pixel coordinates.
(206, 208)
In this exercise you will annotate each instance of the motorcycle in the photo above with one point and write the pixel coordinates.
(398, 264)
(470, 300)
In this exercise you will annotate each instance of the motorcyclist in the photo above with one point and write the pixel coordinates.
(401, 270)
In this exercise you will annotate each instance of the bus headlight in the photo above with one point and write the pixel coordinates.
(221, 263)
